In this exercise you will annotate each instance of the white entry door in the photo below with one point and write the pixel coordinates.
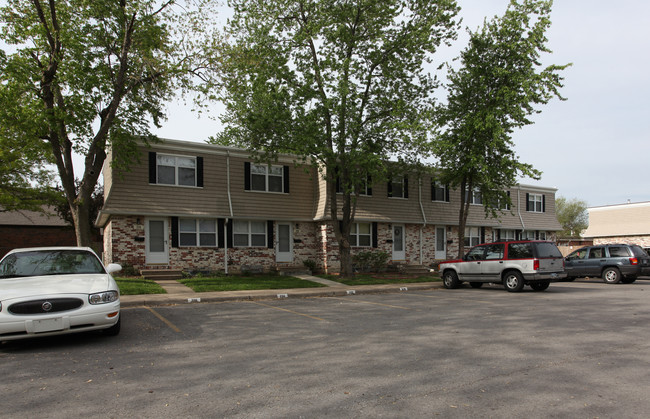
(399, 252)
(284, 247)
(441, 243)
(156, 241)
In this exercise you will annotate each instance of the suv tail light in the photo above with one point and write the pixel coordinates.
(535, 264)
(634, 261)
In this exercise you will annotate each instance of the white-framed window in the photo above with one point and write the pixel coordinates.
(361, 235)
(535, 202)
(249, 233)
(365, 188)
(267, 178)
(398, 187)
(505, 235)
(439, 192)
(197, 232)
(472, 236)
(542, 235)
(176, 170)
(528, 235)
(475, 198)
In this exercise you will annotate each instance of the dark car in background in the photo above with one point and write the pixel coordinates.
(613, 263)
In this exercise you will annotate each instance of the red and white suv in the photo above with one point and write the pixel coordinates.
(511, 263)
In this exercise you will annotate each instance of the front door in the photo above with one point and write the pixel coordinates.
(284, 249)
(156, 241)
(398, 242)
(441, 243)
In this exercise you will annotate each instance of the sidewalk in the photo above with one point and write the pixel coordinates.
(178, 293)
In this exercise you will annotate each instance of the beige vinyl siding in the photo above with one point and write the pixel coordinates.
(619, 220)
(297, 205)
(132, 193)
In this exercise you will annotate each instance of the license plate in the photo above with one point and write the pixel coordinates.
(554, 275)
(48, 325)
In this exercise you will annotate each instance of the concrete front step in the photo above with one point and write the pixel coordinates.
(161, 274)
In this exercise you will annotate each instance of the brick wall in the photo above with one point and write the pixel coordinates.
(12, 237)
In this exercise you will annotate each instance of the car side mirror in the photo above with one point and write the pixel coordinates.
(113, 267)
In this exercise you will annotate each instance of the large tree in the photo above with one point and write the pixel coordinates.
(495, 91)
(81, 76)
(572, 215)
(339, 83)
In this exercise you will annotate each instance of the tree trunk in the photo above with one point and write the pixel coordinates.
(82, 223)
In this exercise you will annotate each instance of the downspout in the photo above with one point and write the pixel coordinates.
(523, 226)
(225, 226)
(424, 218)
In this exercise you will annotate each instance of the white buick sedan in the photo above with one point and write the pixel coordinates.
(57, 290)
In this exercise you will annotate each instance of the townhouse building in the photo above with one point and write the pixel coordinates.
(194, 206)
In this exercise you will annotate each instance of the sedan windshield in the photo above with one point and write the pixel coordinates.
(50, 262)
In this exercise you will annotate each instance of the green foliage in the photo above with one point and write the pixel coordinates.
(371, 261)
(340, 84)
(572, 215)
(310, 264)
(85, 76)
(495, 91)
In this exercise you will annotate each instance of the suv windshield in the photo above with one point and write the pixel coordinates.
(50, 262)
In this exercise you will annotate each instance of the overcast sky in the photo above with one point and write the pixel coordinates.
(595, 146)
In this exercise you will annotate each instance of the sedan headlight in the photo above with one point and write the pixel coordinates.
(103, 297)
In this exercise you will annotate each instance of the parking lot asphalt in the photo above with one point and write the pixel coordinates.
(178, 293)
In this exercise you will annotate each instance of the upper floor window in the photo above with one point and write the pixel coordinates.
(166, 169)
(398, 187)
(475, 197)
(439, 192)
(364, 187)
(197, 232)
(535, 202)
(361, 235)
(266, 178)
(249, 233)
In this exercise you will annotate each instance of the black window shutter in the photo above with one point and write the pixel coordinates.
(286, 179)
(221, 228)
(153, 176)
(527, 202)
(482, 234)
(269, 229)
(375, 242)
(247, 176)
(406, 187)
(390, 189)
(229, 235)
(446, 193)
(199, 172)
(174, 231)
(543, 203)
(369, 182)
(498, 235)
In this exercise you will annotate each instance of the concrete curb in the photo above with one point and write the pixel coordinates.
(153, 300)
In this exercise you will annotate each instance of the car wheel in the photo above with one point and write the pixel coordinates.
(450, 280)
(476, 284)
(113, 330)
(612, 276)
(540, 285)
(513, 281)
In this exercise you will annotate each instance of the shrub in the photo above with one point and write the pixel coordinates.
(370, 261)
(310, 264)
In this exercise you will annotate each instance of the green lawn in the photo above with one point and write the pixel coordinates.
(253, 282)
(136, 286)
(377, 279)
